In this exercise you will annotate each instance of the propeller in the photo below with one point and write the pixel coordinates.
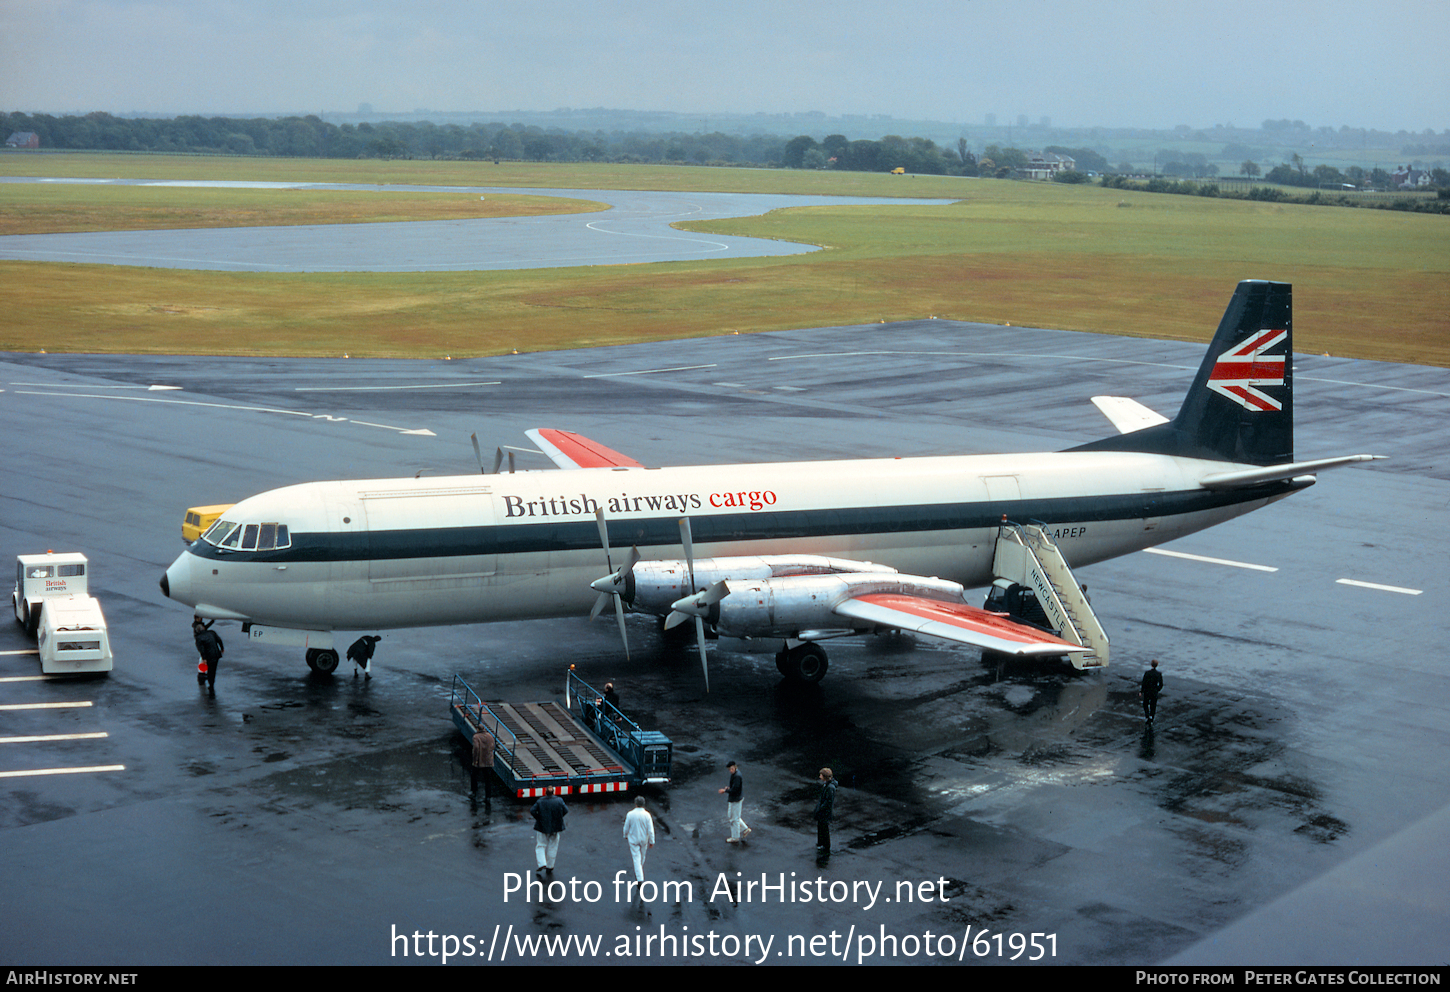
(698, 602)
(612, 584)
(497, 458)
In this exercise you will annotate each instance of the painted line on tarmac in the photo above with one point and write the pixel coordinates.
(373, 389)
(38, 738)
(235, 406)
(151, 399)
(676, 368)
(974, 354)
(41, 706)
(1371, 385)
(89, 385)
(1376, 585)
(1211, 561)
(64, 771)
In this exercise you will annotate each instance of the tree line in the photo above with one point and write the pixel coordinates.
(1275, 194)
(312, 137)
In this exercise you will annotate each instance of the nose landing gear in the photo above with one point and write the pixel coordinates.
(322, 660)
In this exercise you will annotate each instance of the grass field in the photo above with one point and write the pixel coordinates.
(1368, 283)
(37, 209)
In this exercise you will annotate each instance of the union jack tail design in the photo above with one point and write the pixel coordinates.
(1244, 367)
(1240, 407)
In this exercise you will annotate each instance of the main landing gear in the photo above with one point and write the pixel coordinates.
(805, 663)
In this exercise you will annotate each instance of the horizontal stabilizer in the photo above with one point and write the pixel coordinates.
(1272, 473)
(1128, 415)
(954, 622)
(569, 450)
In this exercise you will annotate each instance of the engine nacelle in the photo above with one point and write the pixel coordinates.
(784, 607)
(652, 586)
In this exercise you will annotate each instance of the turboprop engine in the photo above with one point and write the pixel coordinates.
(802, 607)
(655, 586)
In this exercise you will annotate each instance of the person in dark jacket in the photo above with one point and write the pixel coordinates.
(549, 814)
(825, 809)
(734, 805)
(1152, 685)
(483, 746)
(361, 654)
(209, 646)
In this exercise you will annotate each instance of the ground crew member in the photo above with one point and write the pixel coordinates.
(1152, 685)
(361, 654)
(734, 804)
(482, 760)
(209, 646)
(549, 814)
(639, 834)
(825, 810)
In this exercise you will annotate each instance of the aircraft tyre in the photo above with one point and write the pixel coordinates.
(806, 664)
(322, 660)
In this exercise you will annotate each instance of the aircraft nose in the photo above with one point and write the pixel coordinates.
(176, 582)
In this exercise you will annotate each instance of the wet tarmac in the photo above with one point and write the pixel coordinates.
(1301, 752)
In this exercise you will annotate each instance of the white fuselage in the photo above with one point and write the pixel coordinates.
(375, 554)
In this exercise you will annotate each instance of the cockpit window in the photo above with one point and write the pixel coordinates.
(218, 532)
(248, 537)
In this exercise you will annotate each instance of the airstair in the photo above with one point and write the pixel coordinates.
(1028, 556)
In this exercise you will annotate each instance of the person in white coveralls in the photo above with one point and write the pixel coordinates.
(639, 834)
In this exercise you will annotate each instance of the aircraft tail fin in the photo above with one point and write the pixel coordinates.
(1240, 406)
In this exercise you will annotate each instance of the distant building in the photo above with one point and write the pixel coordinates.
(1046, 166)
(1407, 178)
(23, 139)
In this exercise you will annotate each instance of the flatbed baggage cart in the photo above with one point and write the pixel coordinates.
(582, 746)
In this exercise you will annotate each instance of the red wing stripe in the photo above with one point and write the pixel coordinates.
(586, 453)
(964, 617)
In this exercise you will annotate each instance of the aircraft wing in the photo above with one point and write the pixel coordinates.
(1127, 414)
(569, 450)
(954, 622)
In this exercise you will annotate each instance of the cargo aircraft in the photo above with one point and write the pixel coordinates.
(797, 552)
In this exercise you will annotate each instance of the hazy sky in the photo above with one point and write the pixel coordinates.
(1131, 63)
